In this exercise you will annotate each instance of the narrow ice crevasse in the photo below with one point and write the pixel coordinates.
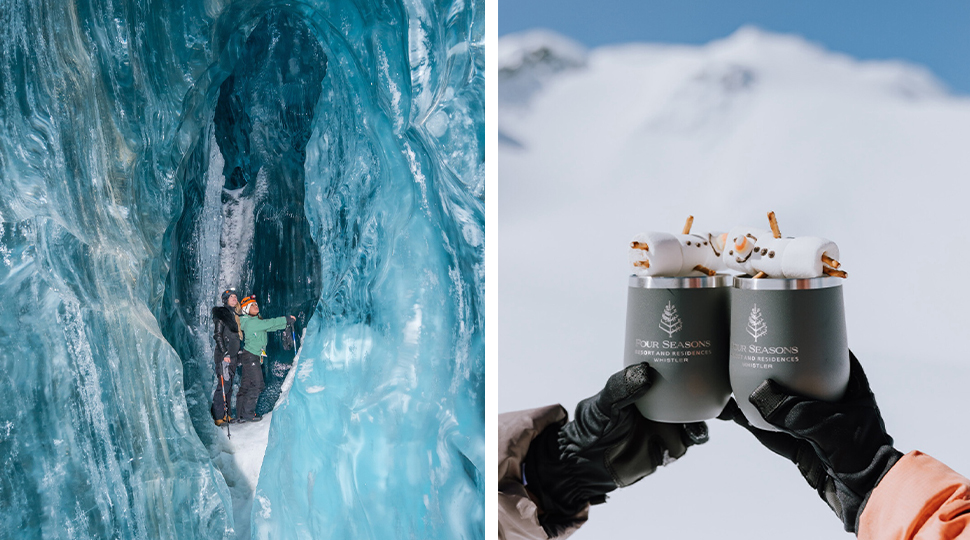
(117, 234)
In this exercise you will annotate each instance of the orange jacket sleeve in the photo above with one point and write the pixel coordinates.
(918, 499)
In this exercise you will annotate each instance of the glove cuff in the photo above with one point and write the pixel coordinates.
(847, 494)
(544, 473)
(885, 458)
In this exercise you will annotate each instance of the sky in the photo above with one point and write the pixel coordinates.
(933, 33)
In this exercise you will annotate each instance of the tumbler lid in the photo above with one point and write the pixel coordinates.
(680, 282)
(784, 284)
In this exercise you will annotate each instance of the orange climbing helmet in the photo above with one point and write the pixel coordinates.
(246, 302)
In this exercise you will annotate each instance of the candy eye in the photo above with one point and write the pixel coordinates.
(771, 254)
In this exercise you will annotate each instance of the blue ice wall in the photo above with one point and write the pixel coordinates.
(96, 441)
(112, 184)
(381, 434)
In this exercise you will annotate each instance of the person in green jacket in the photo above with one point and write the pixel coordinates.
(254, 331)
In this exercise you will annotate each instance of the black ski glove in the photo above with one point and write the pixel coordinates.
(608, 444)
(841, 449)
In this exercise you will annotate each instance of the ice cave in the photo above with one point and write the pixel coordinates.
(326, 156)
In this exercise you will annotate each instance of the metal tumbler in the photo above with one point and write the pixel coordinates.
(791, 331)
(679, 325)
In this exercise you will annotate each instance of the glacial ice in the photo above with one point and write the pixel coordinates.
(327, 156)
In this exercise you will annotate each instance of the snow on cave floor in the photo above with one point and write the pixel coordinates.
(248, 444)
(245, 450)
(240, 457)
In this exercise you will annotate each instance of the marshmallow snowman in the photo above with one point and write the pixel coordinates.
(799, 257)
(664, 254)
(747, 250)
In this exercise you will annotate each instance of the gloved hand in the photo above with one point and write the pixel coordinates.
(841, 449)
(608, 444)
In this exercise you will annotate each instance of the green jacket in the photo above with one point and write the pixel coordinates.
(255, 330)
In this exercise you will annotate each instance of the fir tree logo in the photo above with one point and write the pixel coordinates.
(756, 324)
(670, 321)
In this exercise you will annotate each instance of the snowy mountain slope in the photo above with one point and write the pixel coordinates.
(528, 60)
(870, 154)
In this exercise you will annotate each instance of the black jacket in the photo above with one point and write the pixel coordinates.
(226, 333)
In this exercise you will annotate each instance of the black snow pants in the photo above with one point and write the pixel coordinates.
(218, 402)
(251, 385)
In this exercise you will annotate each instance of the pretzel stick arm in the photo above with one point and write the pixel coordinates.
(830, 261)
(706, 270)
(832, 272)
(689, 224)
(775, 231)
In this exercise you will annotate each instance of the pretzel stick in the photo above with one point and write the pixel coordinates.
(830, 261)
(774, 225)
(645, 264)
(759, 275)
(832, 272)
(706, 270)
(639, 245)
(687, 226)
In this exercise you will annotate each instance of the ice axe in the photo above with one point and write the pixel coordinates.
(225, 402)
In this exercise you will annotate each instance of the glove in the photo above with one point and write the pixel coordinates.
(608, 444)
(841, 449)
(226, 359)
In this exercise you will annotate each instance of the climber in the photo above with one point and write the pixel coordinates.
(254, 330)
(227, 336)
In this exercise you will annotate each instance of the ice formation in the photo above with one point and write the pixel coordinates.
(327, 156)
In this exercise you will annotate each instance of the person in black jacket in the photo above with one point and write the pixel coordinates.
(227, 337)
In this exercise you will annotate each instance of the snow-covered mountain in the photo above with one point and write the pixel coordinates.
(597, 145)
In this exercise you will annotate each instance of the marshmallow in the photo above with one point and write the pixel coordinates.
(794, 257)
(674, 255)
(717, 241)
(771, 257)
(803, 256)
(697, 250)
(743, 247)
(663, 253)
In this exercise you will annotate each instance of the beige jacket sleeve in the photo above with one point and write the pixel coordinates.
(918, 499)
(517, 514)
